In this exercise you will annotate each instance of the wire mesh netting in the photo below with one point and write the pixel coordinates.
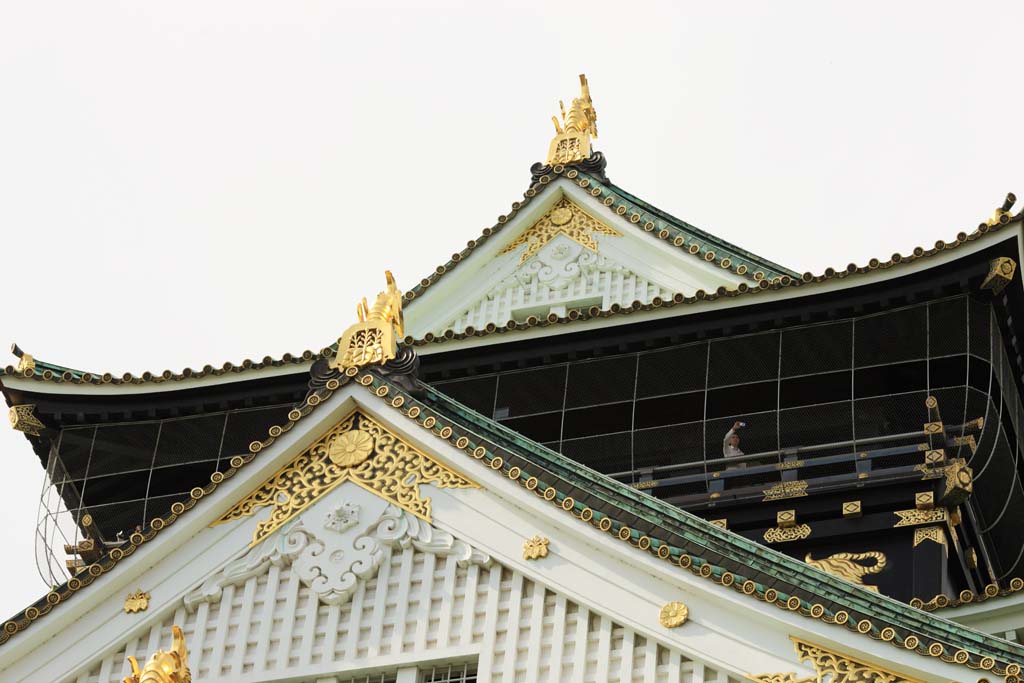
(842, 382)
(123, 475)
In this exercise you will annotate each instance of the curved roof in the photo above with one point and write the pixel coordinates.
(646, 524)
(764, 276)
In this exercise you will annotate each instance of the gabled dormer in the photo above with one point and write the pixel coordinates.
(576, 242)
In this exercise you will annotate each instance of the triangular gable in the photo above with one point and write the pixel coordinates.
(620, 584)
(612, 250)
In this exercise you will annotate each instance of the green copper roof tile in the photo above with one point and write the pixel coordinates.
(704, 537)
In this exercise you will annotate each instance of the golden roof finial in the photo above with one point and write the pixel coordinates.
(1002, 214)
(374, 339)
(164, 667)
(26, 363)
(572, 140)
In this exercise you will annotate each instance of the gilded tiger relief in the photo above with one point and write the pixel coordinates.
(848, 566)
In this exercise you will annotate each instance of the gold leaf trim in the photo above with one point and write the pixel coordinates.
(845, 669)
(913, 517)
(564, 218)
(784, 535)
(357, 449)
(785, 489)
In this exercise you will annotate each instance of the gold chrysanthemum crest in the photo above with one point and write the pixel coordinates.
(673, 615)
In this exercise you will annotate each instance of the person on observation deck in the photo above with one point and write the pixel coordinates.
(731, 444)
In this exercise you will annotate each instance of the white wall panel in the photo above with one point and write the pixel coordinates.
(271, 625)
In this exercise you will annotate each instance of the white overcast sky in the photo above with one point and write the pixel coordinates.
(193, 182)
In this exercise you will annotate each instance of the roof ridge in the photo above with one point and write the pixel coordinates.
(46, 371)
(703, 233)
(700, 295)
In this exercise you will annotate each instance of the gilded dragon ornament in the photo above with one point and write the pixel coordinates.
(357, 449)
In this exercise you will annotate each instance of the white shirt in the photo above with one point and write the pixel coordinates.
(728, 450)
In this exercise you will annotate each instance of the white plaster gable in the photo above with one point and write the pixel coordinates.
(494, 287)
(392, 590)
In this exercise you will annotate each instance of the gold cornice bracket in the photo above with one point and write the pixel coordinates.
(1000, 274)
(357, 449)
(840, 668)
(23, 419)
(169, 666)
(374, 339)
(572, 136)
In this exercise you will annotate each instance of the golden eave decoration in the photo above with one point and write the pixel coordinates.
(785, 489)
(839, 668)
(26, 363)
(169, 666)
(23, 419)
(564, 218)
(781, 678)
(673, 615)
(357, 449)
(374, 339)
(535, 548)
(572, 136)
(136, 602)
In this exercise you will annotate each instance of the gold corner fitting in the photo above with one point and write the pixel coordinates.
(959, 483)
(935, 534)
(916, 516)
(673, 615)
(136, 602)
(1000, 274)
(357, 449)
(535, 548)
(170, 666)
(572, 136)
(374, 339)
(848, 566)
(23, 419)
